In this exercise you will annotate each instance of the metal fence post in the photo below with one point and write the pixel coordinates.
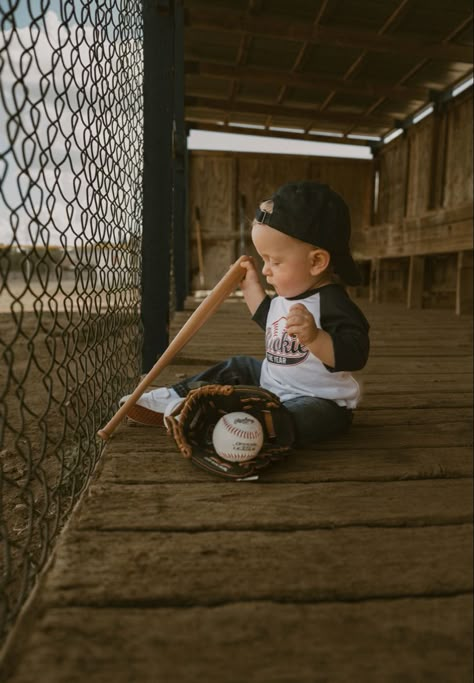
(180, 235)
(158, 91)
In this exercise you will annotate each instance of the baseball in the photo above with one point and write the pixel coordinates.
(237, 437)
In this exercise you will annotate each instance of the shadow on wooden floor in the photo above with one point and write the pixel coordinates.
(350, 562)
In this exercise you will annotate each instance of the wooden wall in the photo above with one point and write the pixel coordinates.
(421, 238)
(227, 187)
(414, 242)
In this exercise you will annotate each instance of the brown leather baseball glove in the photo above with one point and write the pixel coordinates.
(192, 424)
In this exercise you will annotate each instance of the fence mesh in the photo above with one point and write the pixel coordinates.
(71, 135)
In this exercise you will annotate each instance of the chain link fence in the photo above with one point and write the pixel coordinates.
(71, 136)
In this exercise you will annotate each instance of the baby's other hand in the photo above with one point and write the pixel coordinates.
(301, 324)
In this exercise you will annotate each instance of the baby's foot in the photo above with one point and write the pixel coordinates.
(152, 406)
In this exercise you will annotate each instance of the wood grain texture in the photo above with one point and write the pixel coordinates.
(159, 462)
(459, 161)
(418, 640)
(106, 568)
(348, 561)
(254, 505)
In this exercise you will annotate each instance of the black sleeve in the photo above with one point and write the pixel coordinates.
(348, 327)
(261, 314)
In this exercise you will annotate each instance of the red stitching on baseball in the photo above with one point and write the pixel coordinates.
(232, 429)
(239, 433)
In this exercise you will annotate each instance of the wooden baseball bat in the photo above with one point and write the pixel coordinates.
(203, 312)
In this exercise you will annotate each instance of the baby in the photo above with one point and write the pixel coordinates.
(315, 335)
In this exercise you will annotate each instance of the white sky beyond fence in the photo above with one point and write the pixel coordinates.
(70, 126)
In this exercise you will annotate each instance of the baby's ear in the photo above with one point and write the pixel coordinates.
(320, 260)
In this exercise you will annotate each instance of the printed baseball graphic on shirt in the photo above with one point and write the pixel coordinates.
(281, 348)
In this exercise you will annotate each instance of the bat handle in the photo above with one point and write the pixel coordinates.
(121, 413)
(203, 312)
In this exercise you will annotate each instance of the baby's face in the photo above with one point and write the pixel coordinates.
(287, 262)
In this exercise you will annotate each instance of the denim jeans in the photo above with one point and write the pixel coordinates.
(314, 419)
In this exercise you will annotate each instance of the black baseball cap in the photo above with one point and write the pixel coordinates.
(314, 213)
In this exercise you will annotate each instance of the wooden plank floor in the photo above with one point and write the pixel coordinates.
(349, 562)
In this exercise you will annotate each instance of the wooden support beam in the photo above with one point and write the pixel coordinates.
(237, 22)
(407, 176)
(374, 285)
(464, 299)
(437, 232)
(288, 112)
(363, 54)
(438, 157)
(202, 123)
(416, 275)
(302, 52)
(306, 80)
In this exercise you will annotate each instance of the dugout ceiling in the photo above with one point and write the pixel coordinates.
(344, 67)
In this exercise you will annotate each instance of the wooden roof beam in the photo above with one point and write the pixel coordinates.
(357, 63)
(416, 67)
(235, 22)
(244, 47)
(310, 81)
(302, 52)
(297, 113)
(201, 123)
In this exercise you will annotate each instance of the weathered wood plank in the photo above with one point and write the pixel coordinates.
(411, 416)
(378, 366)
(158, 463)
(430, 382)
(404, 347)
(447, 434)
(108, 568)
(422, 399)
(252, 505)
(402, 239)
(321, 570)
(366, 436)
(421, 640)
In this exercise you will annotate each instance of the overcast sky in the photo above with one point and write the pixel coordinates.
(71, 124)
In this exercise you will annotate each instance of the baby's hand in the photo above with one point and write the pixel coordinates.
(251, 276)
(301, 324)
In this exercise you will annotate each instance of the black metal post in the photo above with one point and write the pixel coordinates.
(180, 223)
(158, 33)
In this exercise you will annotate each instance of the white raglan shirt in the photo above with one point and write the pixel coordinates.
(290, 370)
